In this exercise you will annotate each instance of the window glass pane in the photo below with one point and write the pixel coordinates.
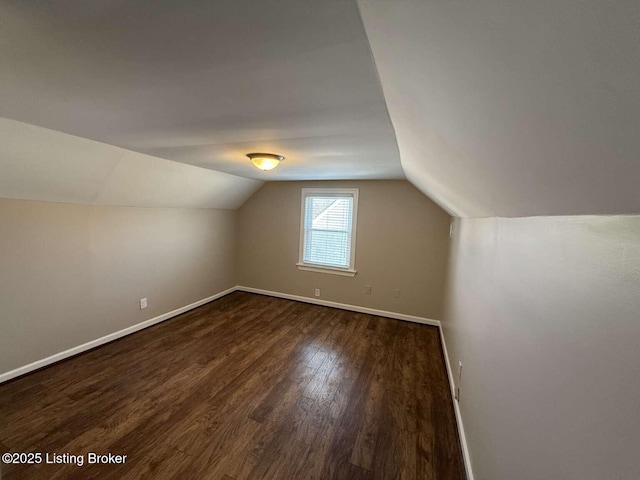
(327, 230)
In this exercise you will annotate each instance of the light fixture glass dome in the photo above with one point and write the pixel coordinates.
(265, 161)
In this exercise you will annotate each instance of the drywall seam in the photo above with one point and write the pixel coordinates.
(4, 377)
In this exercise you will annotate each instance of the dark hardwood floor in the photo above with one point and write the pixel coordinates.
(245, 387)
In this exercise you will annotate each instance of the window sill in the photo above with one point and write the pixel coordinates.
(345, 272)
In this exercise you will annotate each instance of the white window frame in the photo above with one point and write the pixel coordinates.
(330, 192)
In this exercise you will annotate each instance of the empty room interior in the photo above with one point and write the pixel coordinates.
(337, 239)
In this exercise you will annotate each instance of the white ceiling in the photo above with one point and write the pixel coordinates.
(499, 107)
(204, 82)
(514, 108)
(41, 164)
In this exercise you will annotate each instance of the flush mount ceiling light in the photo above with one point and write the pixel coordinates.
(265, 161)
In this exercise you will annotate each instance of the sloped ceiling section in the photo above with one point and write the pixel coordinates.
(514, 108)
(41, 164)
(204, 82)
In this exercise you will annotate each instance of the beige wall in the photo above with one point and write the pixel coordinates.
(70, 274)
(545, 315)
(73, 273)
(402, 243)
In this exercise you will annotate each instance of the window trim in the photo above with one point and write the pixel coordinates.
(329, 192)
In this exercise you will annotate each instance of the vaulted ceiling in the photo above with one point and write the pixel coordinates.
(41, 164)
(514, 108)
(204, 82)
(490, 107)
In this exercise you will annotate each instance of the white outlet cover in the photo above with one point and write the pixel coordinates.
(143, 303)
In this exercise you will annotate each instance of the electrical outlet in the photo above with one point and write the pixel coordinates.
(452, 229)
(396, 293)
(143, 303)
(367, 289)
(317, 292)
(459, 370)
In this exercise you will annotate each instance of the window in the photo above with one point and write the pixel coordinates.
(328, 230)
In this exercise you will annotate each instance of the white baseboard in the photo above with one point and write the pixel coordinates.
(456, 408)
(4, 377)
(342, 306)
(397, 316)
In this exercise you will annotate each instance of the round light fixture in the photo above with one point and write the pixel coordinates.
(265, 161)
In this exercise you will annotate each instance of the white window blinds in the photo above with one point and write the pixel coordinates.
(328, 229)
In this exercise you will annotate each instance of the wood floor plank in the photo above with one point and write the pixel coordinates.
(447, 454)
(364, 448)
(426, 439)
(245, 387)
